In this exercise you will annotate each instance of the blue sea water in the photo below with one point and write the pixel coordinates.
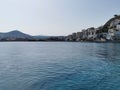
(59, 66)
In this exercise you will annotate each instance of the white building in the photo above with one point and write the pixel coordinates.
(111, 34)
(91, 33)
(118, 27)
(114, 30)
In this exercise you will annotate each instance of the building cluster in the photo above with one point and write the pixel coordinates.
(109, 31)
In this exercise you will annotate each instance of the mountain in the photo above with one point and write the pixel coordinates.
(16, 35)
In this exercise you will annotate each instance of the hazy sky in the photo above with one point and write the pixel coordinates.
(55, 17)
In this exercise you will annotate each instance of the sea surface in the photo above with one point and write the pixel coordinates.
(59, 66)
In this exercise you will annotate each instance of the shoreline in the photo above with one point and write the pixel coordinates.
(70, 41)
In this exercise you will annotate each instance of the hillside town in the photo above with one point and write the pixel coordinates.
(110, 31)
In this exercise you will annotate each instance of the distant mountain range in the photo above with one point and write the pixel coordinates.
(16, 35)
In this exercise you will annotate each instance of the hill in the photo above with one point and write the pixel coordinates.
(16, 35)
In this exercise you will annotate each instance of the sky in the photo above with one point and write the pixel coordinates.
(55, 17)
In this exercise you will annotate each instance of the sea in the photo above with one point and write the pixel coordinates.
(59, 66)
